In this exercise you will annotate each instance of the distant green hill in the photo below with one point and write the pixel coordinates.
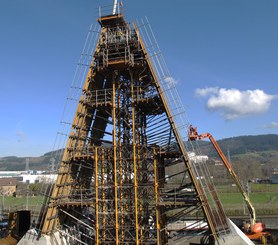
(260, 149)
(251, 156)
(13, 163)
(242, 144)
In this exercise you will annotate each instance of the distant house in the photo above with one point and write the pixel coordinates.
(274, 178)
(8, 186)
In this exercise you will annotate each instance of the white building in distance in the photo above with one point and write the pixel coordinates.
(30, 176)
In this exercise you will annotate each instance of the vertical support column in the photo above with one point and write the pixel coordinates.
(121, 194)
(139, 193)
(121, 189)
(114, 119)
(96, 190)
(156, 194)
(134, 162)
(103, 196)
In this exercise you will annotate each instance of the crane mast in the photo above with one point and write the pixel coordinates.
(114, 7)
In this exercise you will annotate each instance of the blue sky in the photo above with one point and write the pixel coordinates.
(223, 55)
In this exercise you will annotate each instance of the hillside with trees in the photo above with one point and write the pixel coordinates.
(251, 156)
(243, 144)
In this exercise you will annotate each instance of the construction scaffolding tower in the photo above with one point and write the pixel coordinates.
(125, 175)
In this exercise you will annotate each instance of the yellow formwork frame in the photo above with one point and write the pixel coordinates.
(96, 190)
(122, 237)
(134, 163)
(178, 138)
(115, 160)
(103, 193)
(156, 194)
(51, 217)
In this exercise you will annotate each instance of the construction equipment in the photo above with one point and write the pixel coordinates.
(125, 135)
(254, 230)
(121, 144)
(17, 224)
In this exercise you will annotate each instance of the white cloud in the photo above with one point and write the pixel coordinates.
(233, 103)
(171, 81)
(20, 136)
(206, 91)
(272, 125)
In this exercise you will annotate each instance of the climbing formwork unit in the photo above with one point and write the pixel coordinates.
(125, 176)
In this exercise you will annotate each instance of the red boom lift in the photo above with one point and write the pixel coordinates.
(254, 230)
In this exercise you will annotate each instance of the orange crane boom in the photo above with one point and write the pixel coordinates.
(192, 136)
(254, 231)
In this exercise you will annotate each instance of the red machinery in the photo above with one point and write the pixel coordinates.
(254, 230)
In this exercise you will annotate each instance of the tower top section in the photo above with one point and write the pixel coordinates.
(106, 19)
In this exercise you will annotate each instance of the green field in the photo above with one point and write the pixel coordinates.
(264, 197)
(268, 198)
(14, 203)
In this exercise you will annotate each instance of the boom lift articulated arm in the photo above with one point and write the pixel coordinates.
(192, 136)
